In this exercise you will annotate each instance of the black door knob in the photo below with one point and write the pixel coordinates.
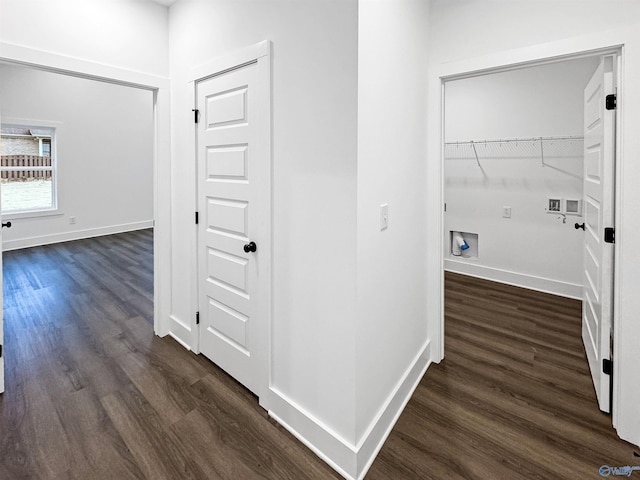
(6, 224)
(250, 247)
(578, 225)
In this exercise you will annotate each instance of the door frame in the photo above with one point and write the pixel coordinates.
(260, 54)
(159, 86)
(591, 45)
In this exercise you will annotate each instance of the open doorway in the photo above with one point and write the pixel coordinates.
(93, 172)
(518, 188)
(77, 157)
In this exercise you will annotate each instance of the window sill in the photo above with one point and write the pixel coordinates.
(32, 214)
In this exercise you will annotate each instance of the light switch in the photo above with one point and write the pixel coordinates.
(506, 212)
(384, 216)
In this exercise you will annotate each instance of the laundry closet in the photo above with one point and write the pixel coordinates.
(513, 175)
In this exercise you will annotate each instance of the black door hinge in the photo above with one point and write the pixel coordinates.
(0, 351)
(195, 114)
(611, 101)
(610, 235)
(197, 318)
(196, 218)
(607, 366)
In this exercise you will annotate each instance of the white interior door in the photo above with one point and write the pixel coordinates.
(234, 228)
(599, 181)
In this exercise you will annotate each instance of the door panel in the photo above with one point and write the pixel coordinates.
(225, 215)
(227, 163)
(234, 201)
(599, 153)
(229, 270)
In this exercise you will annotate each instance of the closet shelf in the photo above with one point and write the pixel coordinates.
(515, 148)
(516, 140)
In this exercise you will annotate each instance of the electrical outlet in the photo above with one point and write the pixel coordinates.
(506, 212)
(554, 205)
(72, 220)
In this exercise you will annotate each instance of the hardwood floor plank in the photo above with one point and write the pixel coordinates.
(92, 393)
(254, 442)
(94, 444)
(46, 451)
(442, 447)
(160, 387)
(92, 356)
(208, 446)
(158, 452)
(501, 403)
(513, 397)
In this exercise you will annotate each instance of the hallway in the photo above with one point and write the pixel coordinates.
(92, 393)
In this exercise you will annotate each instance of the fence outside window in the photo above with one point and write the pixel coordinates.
(25, 167)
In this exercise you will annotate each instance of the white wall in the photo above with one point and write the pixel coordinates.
(104, 152)
(485, 32)
(533, 248)
(314, 191)
(463, 29)
(391, 334)
(124, 41)
(130, 34)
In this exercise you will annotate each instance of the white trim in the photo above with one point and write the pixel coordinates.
(315, 434)
(77, 67)
(43, 60)
(531, 282)
(382, 425)
(619, 166)
(54, 127)
(351, 461)
(179, 330)
(176, 338)
(25, 214)
(259, 54)
(596, 43)
(190, 334)
(230, 60)
(312, 447)
(28, 242)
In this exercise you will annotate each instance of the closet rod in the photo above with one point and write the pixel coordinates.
(516, 140)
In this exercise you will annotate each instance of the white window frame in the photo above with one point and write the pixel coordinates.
(40, 212)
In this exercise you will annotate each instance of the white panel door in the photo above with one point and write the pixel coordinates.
(234, 226)
(599, 155)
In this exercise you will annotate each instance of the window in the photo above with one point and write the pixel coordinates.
(27, 169)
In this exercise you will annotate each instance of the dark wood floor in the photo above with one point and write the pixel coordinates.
(91, 393)
(513, 398)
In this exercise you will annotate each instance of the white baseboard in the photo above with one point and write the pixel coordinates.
(380, 428)
(532, 282)
(180, 332)
(339, 453)
(350, 461)
(74, 235)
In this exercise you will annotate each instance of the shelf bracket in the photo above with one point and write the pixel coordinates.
(475, 153)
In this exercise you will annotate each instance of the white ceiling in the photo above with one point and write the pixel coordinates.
(166, 3)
